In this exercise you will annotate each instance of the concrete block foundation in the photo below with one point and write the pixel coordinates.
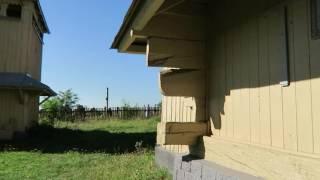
(185, 167)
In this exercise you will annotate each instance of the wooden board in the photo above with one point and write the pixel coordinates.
(302, 72)
(315, 89)
(289, 93)
(229, 83)
(174, 133)
(254, 80)
(183, 83)
(262, 162)
(168, 53)
(265, 124)
(276, 54)
(257, 51)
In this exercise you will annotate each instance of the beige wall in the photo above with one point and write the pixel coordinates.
(20, 51)
(182, 109)
(177, 109)
(246, 100)
(20, 47)
(248, 106)
(259, 127)
(11, 113)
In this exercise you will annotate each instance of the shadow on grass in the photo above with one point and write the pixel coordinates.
(52, 140)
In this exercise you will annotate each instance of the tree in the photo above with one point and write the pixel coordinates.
(53, 104)
(68, 98)
(58, 107)
(65, 100)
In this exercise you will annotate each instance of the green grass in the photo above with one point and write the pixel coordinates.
(87, 150)
(114, 126)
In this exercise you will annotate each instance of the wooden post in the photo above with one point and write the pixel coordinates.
(107, 99)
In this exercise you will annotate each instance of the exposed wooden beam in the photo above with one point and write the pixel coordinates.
(136, 49)
(184, 8)
(43, 101)
(183, 83)
(174, 133)
(142, 18)
(146, 12)
(137, 34)
(175, 53)
(126, 42)
(176, 27)
(180, 23)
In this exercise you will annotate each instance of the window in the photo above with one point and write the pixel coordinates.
(315, 15)
(14, 11)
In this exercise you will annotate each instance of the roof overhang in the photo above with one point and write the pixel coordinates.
(23, 82)
(138, 15)
(160, 28)
(42, 17)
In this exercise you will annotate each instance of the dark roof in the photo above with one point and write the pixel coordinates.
(127, 22)
(25, 83)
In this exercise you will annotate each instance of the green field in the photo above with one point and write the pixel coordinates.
(114, 149)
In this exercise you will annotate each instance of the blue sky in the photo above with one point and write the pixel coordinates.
(76, 54)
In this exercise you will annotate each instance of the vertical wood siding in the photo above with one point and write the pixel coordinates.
(247, 103)
(20, 51)
(181, 109)
(13, 115)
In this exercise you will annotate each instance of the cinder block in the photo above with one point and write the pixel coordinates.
(208, 173)
(189, 168)
(178, 162)
(190, 176)
(180, 175)
(165, 159)
(175, 175)
(196, 169)
(186, 166)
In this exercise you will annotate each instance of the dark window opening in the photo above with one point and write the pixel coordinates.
(14, 11)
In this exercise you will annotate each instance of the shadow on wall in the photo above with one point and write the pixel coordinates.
(256, 50)
(51, 140)
(248, 58)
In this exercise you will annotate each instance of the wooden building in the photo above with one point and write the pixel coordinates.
(240, 81)
(22, 26)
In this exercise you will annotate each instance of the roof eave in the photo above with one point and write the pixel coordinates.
(138, 15)
(24, 82)
(126, 23)
(45, 24)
